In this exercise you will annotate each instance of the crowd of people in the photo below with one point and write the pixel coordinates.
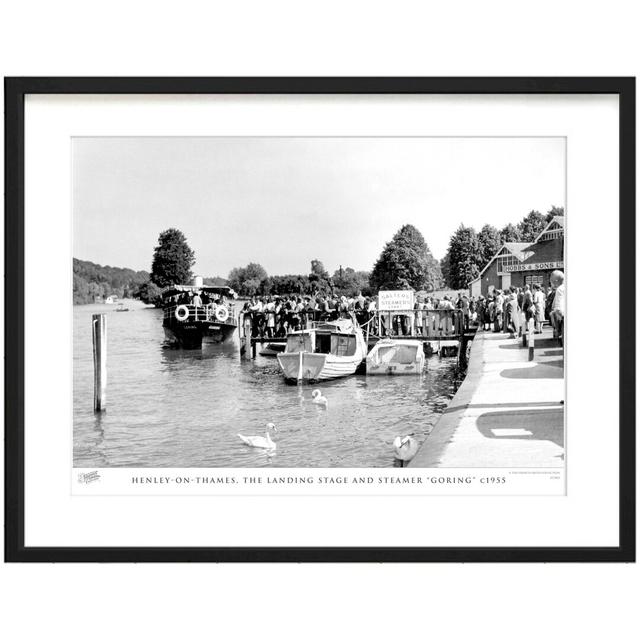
(508, 311)
(275, 316)
(205, 303)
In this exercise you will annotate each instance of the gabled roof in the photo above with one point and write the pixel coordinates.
(515, 248)
(557, 222)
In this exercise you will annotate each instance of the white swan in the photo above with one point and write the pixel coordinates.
(405, 448)
(261, 442)
(318, 398)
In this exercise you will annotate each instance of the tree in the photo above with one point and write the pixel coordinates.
(249, 280)
(445, 270)
(464, 257)
(531, 226)
(150, 293)
(172, 259)
(254, 274)
(509, 233)
(348, 282)
(406, 263)
(319, 277)
(289, 284)
(489, 244)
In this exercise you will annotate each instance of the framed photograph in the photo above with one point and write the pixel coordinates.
(320, 319)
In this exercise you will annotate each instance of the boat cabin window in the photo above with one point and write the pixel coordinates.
(343, 345)
(323, 343)
(298, 342)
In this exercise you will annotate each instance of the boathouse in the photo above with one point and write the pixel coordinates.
(520, 263)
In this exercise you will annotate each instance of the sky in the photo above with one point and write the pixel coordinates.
(282, 202)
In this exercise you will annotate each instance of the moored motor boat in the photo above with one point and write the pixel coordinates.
(326, 351)
(396, 357)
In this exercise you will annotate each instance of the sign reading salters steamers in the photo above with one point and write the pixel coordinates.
(534, 266)
(395, 300)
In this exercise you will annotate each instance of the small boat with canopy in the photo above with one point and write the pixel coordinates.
(396, 357)
(327, 350)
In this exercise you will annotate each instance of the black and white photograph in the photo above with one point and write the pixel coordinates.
(319, 302)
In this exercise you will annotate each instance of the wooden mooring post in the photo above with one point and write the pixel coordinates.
(245, 337)
(99, 332)
(531, 339)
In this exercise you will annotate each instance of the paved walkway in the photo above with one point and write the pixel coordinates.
(507, 412)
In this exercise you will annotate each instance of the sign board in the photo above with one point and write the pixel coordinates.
(534, 266)
(395, 300)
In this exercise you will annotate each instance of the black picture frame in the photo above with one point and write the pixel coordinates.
(15, 91)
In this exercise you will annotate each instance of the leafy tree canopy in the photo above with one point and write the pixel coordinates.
(247, 281)
(319, 278)
(509, 233)
(406, 263)
(348, 282)
(150, 293)
(531, 226)
(489, 242)
(464, 257)
(172, 259)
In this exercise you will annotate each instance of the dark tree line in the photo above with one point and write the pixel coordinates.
(405, 262)
(253, 280)
(92, 281)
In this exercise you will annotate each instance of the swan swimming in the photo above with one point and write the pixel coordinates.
(261, 442)
(405, 448)
(318, 398)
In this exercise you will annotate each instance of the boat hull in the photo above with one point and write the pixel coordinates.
(390, 357)
(395, 369)
(192, 335)
(315, 367)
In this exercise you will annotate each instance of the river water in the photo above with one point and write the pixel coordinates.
(173, 408)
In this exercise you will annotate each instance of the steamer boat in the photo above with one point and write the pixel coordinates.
(197, 314)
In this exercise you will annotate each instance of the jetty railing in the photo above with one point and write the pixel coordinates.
(426, 323)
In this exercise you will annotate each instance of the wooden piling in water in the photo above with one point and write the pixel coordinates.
(99, 333)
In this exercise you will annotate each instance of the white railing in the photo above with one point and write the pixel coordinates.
(202, 313)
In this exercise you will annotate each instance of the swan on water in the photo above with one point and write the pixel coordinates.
(318, 398)
(261, 442)
(405, 448)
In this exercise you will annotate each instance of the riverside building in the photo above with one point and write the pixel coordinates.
(520, 263)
